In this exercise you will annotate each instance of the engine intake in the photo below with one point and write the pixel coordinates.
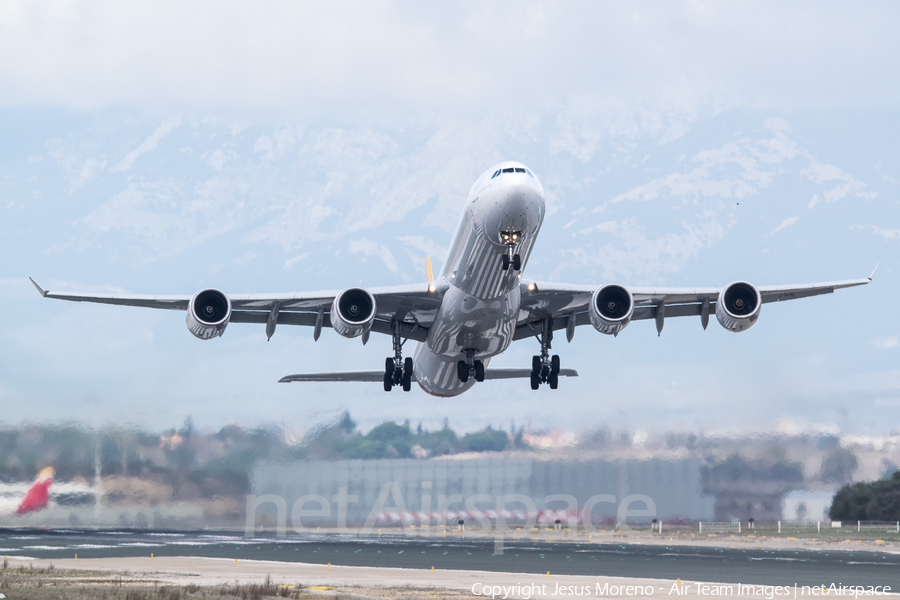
(353, 312)
(611, 309)
(208, 314)
(737, 308)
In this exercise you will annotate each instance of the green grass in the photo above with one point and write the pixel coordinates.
(51, 583)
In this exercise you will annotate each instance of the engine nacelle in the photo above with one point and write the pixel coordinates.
(611, 309)
(353, 312)
(208, 314)
(738, 306)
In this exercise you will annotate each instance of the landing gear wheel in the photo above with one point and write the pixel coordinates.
(407, 382)
(462, 371)
(407, 374)
(504, 262)
(388, 374)
(544, 368)
(517, 263)
(479, 370)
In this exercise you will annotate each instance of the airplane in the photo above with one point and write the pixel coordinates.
(477, 307)
(20, 498)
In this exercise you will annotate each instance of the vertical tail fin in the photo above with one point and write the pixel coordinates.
(38, 495)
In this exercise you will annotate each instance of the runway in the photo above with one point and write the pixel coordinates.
(697, 563)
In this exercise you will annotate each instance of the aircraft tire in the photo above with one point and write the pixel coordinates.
(388, 381)
(553, 380)
(479, 370)
(536, 365)
(407, 374)
(517, 263)
(462, 371)
(504, 262)
(535, 381)
(554, 364)
(389, 366)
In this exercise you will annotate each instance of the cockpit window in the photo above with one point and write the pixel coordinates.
(512, 170)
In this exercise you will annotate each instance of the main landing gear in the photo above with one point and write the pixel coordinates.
(544, 368)
(397, 371)
(511, 240)
(470, 367)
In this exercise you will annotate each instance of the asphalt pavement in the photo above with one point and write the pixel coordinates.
(697, 563)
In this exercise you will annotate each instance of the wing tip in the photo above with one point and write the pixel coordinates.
(872, 276)
(41, 290)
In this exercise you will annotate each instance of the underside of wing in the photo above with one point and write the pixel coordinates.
(569, 306)
(412, 307)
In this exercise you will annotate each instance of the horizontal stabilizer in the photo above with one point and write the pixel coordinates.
(522, 373)
(374, 376)
(349, 376)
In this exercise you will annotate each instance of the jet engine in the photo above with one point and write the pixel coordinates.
(353, 312)
(611, 309)
(738, 306)
(208, 314)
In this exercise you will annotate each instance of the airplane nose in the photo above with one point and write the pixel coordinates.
(518, 210)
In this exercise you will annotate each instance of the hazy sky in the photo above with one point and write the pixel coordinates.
(167, 147)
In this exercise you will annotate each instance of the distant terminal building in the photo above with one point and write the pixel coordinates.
(515, 487)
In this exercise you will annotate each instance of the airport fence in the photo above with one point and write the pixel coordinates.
(746, 527)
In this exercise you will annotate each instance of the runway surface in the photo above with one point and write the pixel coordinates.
(727, 565)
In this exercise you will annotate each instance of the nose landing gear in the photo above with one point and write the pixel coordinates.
(397, 371)
(470, 367)
(511, 259)
(544, 368)
(511, 240)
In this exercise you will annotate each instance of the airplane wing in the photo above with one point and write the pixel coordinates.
(563, 303)
(372, 376)
(415, 306)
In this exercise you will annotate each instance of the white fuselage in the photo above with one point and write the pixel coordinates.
(480, 308)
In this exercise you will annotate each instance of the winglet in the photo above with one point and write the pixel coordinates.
(428, 266)
(873, 272)
(39, 288)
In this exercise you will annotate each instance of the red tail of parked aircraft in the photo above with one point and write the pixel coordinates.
(38, 495)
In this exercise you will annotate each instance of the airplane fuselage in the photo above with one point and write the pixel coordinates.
(479, 310)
